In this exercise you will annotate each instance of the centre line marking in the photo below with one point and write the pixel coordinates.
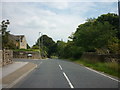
(68, 80)
(60, 67)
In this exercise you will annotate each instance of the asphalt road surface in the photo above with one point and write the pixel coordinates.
(55, 73)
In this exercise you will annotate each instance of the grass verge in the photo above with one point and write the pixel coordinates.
(111, 68)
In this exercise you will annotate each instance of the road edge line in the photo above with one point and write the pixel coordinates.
(102, 74)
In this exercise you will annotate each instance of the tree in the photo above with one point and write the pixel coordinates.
(28, 47)
(4, 25)
(6, 42)
(46, 44)
(72, 51)
(96, 34)
(60, 48)
(113, 19)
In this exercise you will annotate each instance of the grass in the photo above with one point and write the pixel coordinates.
(111, 68)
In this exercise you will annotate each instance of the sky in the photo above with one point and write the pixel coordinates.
(58, 20)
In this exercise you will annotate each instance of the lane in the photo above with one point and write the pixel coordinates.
(82, 77)
(46, 75)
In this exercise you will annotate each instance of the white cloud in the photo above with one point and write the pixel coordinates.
(30, 19)
(59, 0)
(58, 5)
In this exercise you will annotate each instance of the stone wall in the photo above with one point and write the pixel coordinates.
(100, 57)
(24, 54)
(0, 58)
(7, 57)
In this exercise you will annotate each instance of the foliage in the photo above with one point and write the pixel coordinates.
(7, 43)
(47, 45)
(28, 47)
(35, 47)
(95, 35)
(100, 33)
(60, 48)
(72, 51)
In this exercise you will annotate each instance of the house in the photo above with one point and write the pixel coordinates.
(19, 41)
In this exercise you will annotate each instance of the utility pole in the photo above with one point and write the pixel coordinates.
(119, 15)
(119, 10)
(39, 45)
(42, 45)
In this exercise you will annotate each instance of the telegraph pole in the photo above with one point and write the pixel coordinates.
(119, 10)
(119, 15)
(42, 45)
(39, 45)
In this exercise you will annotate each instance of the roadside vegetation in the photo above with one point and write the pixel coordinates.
(97, 35)
(100, 35)
(111, 68)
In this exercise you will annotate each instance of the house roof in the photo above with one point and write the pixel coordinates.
(15, 37)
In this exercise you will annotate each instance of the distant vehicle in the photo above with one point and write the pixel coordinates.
(29, 55)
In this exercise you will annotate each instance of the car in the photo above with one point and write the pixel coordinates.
(29, 55)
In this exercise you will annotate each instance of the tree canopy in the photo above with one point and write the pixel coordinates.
(46, 45)
(95, 35)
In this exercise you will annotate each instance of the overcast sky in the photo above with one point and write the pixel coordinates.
(56, 19)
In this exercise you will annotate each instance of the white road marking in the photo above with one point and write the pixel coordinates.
(68, 80)
(102, 74)
(60, 67)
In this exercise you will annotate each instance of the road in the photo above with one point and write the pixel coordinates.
(55, 73)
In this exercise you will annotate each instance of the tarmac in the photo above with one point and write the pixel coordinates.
(13, 73)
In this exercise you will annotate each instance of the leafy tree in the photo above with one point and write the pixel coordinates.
(7, 43)
(60, 48)
(28, 47)
(47, 44)
(113, 19)
(72, 51)
(4, 25)
(97, 33)
(35, 47)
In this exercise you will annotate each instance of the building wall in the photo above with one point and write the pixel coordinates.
(23, 44)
